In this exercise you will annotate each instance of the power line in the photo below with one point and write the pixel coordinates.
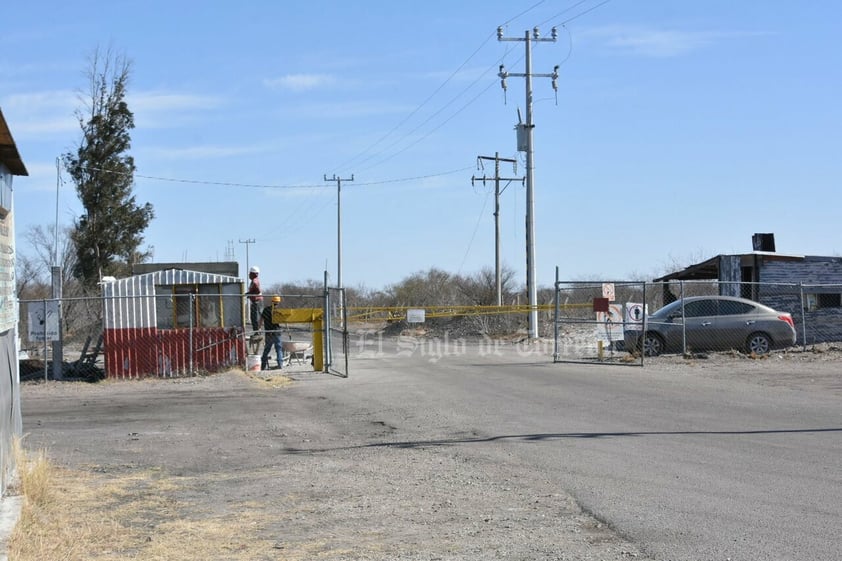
(416, 178)
(431, 131)
(589, 10)
(526, 11)
(466, 89)
(564, 11)
(427, 120)
(474, 235)
(416, 110)
(356, 159)
(276, 186)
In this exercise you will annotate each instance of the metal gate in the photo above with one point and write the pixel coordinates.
(592, 318)
(336, 328)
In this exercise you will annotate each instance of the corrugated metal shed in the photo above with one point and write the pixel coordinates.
(140, 343)
(124, 303)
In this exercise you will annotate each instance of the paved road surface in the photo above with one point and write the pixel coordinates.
(688, 467)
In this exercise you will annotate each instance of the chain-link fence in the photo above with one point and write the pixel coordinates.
(591, 319)
(173, 332)
(624, 322)
(166, 334)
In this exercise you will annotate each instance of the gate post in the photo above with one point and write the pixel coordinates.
(555, 318)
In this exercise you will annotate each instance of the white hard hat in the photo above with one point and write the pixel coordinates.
(255, 270)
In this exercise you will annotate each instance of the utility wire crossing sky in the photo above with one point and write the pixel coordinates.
(678, 130)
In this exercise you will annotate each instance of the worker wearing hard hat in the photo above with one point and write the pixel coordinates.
(273, 336)
(255, 298)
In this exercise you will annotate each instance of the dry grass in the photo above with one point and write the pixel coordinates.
(276, 381)
(73, 515)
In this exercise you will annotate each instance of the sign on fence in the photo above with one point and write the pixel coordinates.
(43, 320)
(610, 324)
(634, 316)
(414, 315)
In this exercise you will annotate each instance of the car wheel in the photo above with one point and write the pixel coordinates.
(652, 344)
(758, 343)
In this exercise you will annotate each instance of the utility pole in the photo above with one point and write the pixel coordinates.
(338, 181)
(247, 242)
(57, 278)
(526, 129)
(497, 179)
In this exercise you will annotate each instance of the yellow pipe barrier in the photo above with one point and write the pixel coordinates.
(306, 315)
(381, 313)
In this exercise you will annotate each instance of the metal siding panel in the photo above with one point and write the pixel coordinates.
(810, 270)
(131, 353)
(130, 303)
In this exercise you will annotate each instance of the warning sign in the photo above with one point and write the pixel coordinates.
(43, 320)
(610, 323)
(415, 315)
(634, 315)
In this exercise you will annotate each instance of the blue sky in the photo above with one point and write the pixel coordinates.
(679, 129)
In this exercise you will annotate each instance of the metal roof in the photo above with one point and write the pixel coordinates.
(145, 284)
(130, 301)
(709, 269)
(8, 150)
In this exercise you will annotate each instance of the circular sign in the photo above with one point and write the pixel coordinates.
(634, 313)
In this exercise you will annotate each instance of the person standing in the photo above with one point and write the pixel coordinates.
(272, 336)
(255, 298)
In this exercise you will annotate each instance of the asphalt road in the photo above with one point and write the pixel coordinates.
(686, 466)
(682, 465)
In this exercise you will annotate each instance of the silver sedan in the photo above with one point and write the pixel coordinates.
(713, 323)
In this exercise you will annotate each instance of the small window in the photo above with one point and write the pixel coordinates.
(210, 306)
(829, 300)
(164, 307)
(173, 305)
(816, 301)
(183, 306)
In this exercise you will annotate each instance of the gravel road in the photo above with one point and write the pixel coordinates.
(455, 453)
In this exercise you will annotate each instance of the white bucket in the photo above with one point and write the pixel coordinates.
(253, 363)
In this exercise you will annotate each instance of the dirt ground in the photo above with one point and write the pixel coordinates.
(249, 467)
(817, 368)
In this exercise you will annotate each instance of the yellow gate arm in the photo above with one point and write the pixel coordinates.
(305, 315)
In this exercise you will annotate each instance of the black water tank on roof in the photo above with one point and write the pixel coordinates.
(763, 242)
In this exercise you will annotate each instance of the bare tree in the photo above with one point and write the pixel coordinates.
(28, 279)
(481, 288)
(43, 241)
